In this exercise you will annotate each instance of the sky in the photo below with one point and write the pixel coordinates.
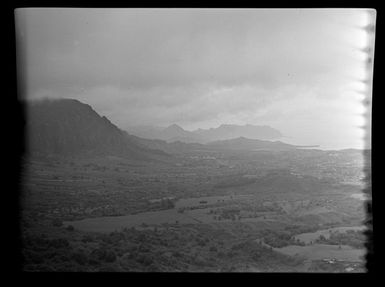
(301, 71)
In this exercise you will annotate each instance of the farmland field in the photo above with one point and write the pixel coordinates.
(116, 223)
(161, 216)
(322, 251)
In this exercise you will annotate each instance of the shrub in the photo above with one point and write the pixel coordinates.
(34, 257)
(201, 242)
(45, 268)
(153, 268)
(57, 222)
(213, 249)
(59, 243)
(176, 254)
(115, 237)
(102, 254)
(127, 256)
(96, 256)
(80, 257)
(106, 239)
(145, 260)
(70, 228)
(107, 268)
(110, 256)
(87, 238)
(144, 248)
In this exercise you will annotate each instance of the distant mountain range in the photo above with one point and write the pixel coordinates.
(69, 127)
(237, 144)
(224, 132)
(243, 143)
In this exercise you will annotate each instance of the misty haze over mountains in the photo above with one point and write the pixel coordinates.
(70, 127)
(223, 132)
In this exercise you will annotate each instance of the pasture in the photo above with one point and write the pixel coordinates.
(307, 238)
(324, 251)
(116, 223)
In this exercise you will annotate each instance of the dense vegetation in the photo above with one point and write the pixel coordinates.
(168, 248)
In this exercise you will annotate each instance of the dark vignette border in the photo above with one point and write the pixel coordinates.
(14, 137)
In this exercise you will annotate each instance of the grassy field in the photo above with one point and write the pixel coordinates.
(307, 238)
(116, 223)
(322, 251)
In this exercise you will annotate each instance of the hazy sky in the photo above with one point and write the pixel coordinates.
(300, 71)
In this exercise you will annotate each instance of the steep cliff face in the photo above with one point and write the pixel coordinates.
(69, 127)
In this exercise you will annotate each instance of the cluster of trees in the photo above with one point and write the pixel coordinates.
(167, 203)
(117, 251)
(43, 254)
(232, 213)
(163, 249)
(352, 238)
(279, 239)
(298, 229)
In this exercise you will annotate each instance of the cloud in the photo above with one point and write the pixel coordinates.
(198, 67)
(143, 48)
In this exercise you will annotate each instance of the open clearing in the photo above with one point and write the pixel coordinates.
(324, 251)
(208, 200)
(307, 238)
(196, 210)
(169, 216)
(360, 196)
(114, 223)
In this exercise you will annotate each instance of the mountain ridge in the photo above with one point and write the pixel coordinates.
(223, 132)
(242, 143)
(70, 127)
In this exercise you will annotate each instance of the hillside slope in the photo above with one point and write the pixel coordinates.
(69, 127)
